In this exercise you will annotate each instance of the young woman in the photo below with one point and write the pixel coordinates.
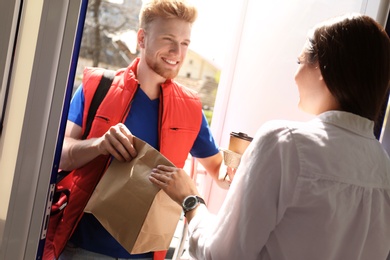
(312, 190)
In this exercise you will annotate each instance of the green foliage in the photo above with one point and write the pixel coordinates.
(209, 115)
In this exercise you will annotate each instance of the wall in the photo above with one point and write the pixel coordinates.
(10, 138)
(39, 78)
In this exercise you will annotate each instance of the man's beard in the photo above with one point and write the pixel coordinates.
(163, 72)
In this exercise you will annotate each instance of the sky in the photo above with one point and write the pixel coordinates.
(210, 33)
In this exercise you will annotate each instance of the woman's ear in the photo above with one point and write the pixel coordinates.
(320, 77)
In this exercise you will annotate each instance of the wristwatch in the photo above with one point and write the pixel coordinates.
(191, 202)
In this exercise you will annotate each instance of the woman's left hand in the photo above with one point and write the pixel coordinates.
(226, 179)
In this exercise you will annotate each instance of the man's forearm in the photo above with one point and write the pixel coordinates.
(76, 153)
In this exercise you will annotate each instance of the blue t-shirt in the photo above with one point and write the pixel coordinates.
(142, 122)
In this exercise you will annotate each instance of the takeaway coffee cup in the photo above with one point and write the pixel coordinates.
(239, 142)
(231, 159)
(237, 145)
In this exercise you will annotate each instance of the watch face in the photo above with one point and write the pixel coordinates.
(190, 202)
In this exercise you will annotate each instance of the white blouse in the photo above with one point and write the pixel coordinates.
(304, 191)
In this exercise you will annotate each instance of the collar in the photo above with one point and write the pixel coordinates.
(349, 121)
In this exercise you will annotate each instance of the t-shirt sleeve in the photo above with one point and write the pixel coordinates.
(76, 107)
(204, 145)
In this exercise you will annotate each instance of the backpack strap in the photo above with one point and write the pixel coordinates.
(101, 91)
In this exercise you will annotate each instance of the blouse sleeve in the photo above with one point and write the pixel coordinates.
(257, 199)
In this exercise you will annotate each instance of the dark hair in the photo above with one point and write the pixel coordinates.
(167, 9)
(353, 53)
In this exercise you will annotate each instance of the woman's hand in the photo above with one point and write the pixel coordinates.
(229, 175)
(174, 181)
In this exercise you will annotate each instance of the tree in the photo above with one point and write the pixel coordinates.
(106, 18)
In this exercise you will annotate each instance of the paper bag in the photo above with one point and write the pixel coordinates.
(140, 216)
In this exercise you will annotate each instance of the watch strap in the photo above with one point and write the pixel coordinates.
(201, 200)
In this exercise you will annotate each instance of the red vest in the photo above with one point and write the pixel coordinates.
(180, 121)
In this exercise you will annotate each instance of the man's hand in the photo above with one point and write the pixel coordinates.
(117, 141)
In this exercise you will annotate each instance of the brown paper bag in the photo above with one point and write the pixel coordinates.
(140, 216)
